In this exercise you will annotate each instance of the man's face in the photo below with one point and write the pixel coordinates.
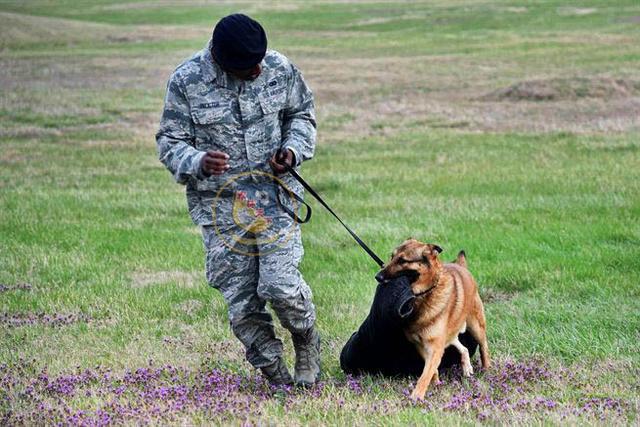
(246, 74)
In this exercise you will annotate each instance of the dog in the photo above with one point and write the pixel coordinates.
(447, 303)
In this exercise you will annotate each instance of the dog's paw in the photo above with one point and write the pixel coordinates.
(416, 396)
(467, 370)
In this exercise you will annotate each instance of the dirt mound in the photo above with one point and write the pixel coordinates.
(566, 89)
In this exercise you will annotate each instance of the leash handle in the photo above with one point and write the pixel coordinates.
(281, 156)
(293, 214)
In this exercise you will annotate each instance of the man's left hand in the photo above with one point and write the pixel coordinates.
(280, 159)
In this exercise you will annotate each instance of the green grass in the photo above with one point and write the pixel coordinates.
(548, 218)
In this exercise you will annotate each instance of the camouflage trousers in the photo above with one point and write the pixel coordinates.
(253, 272)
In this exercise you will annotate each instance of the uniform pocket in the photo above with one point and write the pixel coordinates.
(259, 145)
(305, 292)
(217, 271)
(210, 114)
(274, 96)
(217, 263)
(211, 122)
(216, 128)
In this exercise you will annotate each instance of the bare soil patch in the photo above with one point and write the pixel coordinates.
(566, 89)
(190, 306)
(21, 28)
(392, 94)
(142, 279)
(491, 295)
(15, 287)
(576, 11)
(12, 320)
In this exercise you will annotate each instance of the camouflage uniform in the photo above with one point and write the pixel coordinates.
(206, 109)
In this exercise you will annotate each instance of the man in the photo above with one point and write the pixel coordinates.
(235, 114)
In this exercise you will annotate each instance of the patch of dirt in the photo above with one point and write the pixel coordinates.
(15, 287)
(516, 9)
(56, 319)
(566, 89)
(490, 295)
(396, 93)
(142, 279)
(222, 352)
(389, 95)
(190, 306)
(577, 116)
(576, 11)
(22, 28)
(251, 5)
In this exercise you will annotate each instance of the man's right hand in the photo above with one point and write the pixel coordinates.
(214, 163)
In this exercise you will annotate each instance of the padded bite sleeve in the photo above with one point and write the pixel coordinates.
(379, 346)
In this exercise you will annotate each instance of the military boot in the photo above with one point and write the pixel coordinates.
(277, 373)
(307, 346)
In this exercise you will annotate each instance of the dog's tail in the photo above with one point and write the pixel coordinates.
(461, 259)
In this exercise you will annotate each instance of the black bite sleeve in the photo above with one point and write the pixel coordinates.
(379, 346)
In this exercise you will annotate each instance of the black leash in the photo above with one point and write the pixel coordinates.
(307, 187)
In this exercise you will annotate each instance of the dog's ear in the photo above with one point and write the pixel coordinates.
(431, 251)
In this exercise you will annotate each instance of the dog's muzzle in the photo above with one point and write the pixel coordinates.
(412, 275)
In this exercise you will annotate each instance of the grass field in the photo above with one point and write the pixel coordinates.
(509, 129)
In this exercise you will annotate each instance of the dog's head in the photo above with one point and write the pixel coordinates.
(415, 259)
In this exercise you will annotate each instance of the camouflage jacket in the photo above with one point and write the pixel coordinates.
(206, 109)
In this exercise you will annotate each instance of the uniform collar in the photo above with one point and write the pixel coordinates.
(210, 70)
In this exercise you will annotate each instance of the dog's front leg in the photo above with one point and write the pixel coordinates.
(431, 352)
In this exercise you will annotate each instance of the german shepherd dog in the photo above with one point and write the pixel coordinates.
(447, 303)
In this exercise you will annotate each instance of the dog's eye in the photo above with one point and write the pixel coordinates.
(402, 261)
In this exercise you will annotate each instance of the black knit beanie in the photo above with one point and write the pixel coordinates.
(238, 42)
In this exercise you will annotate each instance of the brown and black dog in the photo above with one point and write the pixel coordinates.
(447, 303)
